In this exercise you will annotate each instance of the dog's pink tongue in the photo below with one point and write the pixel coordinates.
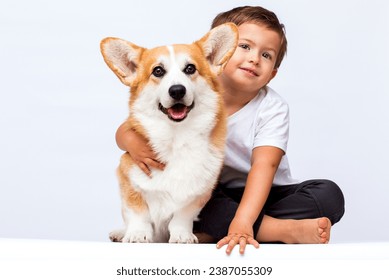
(177, 112)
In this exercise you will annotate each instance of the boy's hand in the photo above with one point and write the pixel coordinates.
(138, 148)
(143, 155)
(238, 233)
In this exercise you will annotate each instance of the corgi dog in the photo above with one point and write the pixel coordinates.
(176, 104)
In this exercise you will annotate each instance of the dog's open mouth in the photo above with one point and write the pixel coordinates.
(178, 112)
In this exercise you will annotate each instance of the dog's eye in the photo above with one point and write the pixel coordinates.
(158, 71)
(190, 69)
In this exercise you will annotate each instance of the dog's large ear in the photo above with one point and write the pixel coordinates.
(122, 57)
(219, 45)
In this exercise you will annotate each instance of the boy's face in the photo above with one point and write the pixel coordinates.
(252, 65)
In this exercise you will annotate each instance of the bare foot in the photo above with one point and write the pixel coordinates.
(306, 231)
(310, 231)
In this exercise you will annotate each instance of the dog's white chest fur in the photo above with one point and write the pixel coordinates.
(194, 165)
(190, 172)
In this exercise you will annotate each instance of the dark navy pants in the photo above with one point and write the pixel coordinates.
(307, 200)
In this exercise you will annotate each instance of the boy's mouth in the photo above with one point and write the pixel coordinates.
(250, 71)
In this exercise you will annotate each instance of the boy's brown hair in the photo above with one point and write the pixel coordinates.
(258, 15)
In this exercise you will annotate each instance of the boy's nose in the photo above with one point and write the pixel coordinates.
(254, 60)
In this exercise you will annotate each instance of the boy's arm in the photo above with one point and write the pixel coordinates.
(137, 146)
(265, 161)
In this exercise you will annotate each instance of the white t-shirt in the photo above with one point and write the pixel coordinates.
(264, 121)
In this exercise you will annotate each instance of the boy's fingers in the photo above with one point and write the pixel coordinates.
(144, 168)
(153, 163)
(225, 241)
(253, 242)
(147, 163)
(233, 240)
(242, 245)
(230, 246)
(222, 242)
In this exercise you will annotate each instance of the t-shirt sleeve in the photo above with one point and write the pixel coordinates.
(272, 125)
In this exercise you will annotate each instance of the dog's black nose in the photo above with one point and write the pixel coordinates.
(177, 92)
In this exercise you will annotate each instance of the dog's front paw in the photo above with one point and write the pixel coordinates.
(116, 235)
(183, 237)
(138, 236)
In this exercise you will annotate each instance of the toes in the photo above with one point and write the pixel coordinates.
(323, 223)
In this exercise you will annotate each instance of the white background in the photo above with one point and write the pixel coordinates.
(60, 106)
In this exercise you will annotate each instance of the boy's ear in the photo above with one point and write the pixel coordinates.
(273, 74)
(122, 57)
(219, 45)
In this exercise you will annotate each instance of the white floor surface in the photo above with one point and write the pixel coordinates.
(51, 259)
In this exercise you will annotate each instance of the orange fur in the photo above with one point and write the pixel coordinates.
(131, 197)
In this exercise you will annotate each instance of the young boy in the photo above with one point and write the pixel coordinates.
(256, 199)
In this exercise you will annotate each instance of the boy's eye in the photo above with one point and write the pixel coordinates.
(266, 55)
(190, 69)
(158, 71)
(244, 46)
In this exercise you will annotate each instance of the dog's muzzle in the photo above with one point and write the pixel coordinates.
(178, 111)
